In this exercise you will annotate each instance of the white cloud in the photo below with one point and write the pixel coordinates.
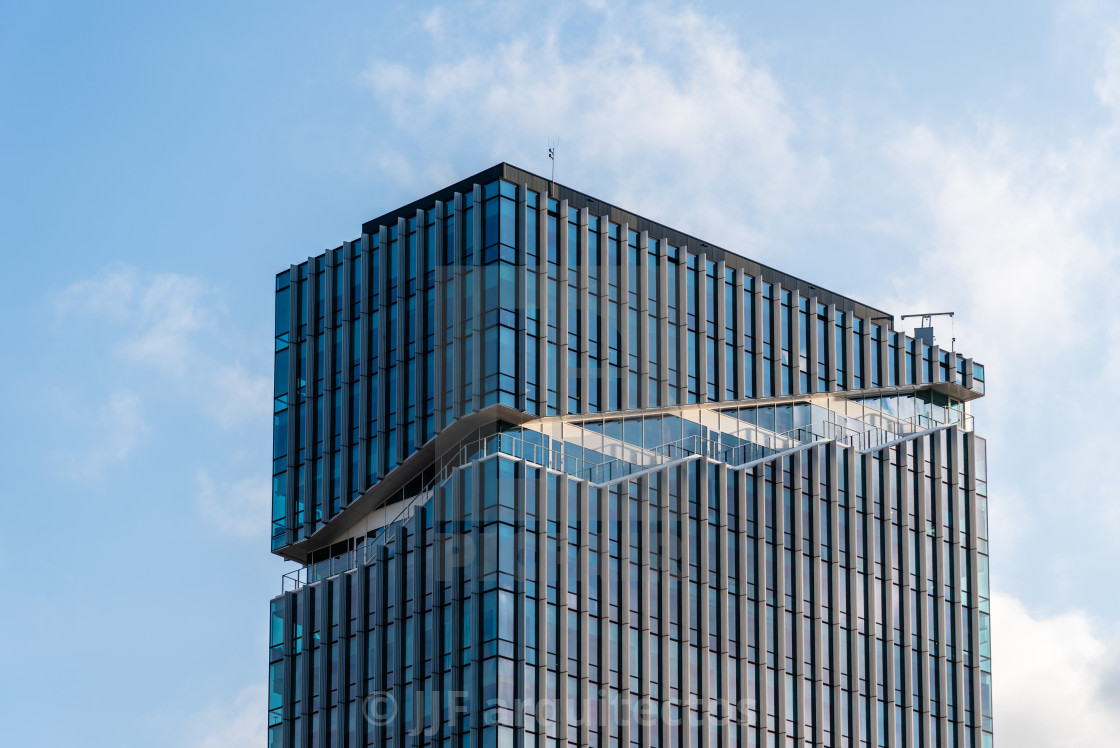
(1108, 83)
(171, 323)
(1012, 228)
(433, 22)
(667, 109)
(1016, 233)
(238, 723)
(170, 310)
(239, 507)
(1014, 239)
(1054, 678)
(104, 439)
(110, 294)
(239, 396)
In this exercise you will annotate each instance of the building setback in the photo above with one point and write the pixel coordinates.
(557, 475)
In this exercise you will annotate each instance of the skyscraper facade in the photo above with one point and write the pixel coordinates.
(557, 475)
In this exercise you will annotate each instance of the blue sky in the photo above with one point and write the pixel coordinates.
(159, 164)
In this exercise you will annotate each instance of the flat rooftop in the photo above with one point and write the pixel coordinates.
(598, 207)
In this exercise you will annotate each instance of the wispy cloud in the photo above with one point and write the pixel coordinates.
(160, 312)
(1016, 232)
(433, 23)
(105, 439)
(668, 109)
(237, 723)
(168, 341)
(1108, 82)
(1016, 235)
(171, 324)
(239, 507)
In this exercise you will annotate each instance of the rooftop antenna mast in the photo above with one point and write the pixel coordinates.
(552, 146)
(925, 332)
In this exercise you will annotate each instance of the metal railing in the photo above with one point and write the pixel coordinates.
(462, 454)
(883, 428)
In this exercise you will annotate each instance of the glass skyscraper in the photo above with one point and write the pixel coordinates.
(558, 475)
